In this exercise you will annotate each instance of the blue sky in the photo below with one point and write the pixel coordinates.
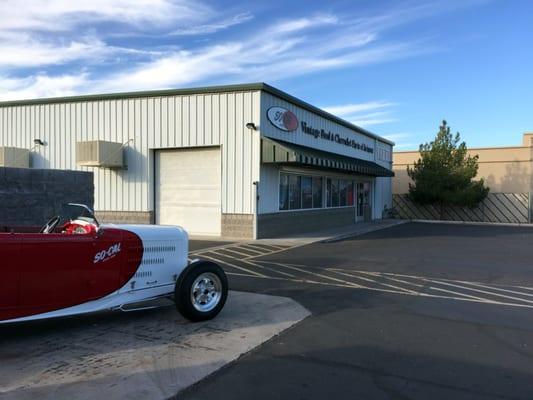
(396, 68)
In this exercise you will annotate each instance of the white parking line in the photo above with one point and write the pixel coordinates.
(235, 266)
(499, 289)
(373, 281)
(268, 248)
(351, 284)
(448, 283)
(231, 250)
(481, 291)
(427, 287)
(451, 295)
(252, 250)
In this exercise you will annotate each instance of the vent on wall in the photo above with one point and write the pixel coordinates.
(99, 153)
(14, 157)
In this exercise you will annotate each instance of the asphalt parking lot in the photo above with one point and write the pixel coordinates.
(416, 311)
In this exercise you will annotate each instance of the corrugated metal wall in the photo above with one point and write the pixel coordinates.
(152, 123)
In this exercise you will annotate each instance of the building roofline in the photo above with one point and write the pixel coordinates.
(474, 148)
(199, 90)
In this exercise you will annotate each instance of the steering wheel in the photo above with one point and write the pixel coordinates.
(51, 225)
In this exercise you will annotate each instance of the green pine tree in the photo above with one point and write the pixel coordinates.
(444, 174)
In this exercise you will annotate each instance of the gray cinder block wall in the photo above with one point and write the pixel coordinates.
(29, 197)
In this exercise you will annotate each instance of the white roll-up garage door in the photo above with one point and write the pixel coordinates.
(187, 189)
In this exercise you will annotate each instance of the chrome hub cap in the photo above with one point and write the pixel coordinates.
(206, 292)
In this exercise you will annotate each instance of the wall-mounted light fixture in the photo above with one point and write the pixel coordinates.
(38, 142)
(251, 125)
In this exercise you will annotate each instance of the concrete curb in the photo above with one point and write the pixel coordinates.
(436, 221)
(364, 231)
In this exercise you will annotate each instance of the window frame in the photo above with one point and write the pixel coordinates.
(301, 175)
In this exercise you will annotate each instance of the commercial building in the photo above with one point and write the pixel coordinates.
(239, 161)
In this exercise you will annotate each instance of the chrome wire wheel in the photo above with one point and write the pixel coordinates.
(206, 292)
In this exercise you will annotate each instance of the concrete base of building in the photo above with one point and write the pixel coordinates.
(125, 217)
(238, 226)
(294, 222)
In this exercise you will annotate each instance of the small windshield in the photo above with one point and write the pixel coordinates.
(71, 212)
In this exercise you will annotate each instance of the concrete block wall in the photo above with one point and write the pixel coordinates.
(125, 217)
(238, 226)
(29, 197)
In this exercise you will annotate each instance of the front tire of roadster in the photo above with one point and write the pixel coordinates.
(201, 291)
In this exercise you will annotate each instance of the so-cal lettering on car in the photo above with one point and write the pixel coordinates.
(105, 255)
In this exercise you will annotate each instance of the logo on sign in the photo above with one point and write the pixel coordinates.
(282, 119)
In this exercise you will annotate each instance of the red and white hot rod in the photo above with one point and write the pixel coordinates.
(74, 265)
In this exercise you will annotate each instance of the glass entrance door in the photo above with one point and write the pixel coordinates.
(364, 211)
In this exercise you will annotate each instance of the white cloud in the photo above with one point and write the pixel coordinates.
(295, 25)
(372, 119)
(365, 114)
(41, 86)
(66, 33)
(352, 108)
(213, 27)
(287, 52)
(58, 15)
(23, 51)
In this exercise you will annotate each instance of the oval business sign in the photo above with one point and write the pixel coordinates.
(282, 119)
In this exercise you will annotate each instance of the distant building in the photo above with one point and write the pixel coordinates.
(505, 169)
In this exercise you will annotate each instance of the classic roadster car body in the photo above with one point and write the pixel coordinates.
(80, 266)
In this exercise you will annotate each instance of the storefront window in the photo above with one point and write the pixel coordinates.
(284, 192)
(299, 192)
(317, 192)
(339, 193)
(343, 187)
(350, 194)
(295, 192)
(307, 192)
(334, 192)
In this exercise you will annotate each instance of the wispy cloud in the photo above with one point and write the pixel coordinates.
(26, 51)
(62, 15)
(80, 37)
(365, 114)
(41, 86)
(352, 108)
(293, 48)
(213, 27)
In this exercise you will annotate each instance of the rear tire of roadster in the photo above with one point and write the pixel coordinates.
(201, 291)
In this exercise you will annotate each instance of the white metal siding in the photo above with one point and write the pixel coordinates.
(159, 122)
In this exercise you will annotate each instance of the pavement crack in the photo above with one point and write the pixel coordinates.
(379, 373)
